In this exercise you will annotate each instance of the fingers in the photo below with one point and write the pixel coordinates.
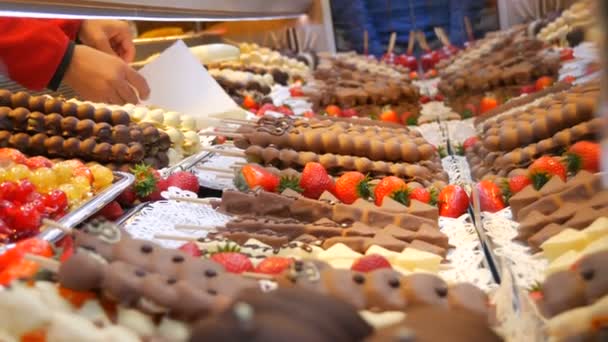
(138, 82)
(128, 51)
(102, 43)
(125, 92)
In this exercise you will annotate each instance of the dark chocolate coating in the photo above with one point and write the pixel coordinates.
(54, 146)
(6, 123)
(20, 141)
(153, 162)
(164, 141)
(37, 143)
(120, 152)
(102, 152)
(52, 106)
(121, 134)
(163, 159)
(36, 103)
(52, 123)
(85, 111)
(136, 152)
(151, 135)
(87, 147)
(71, 147)
(103, 131)
(35, 122)
(5, 137)
(135, 134)
(5, 98)
(19, 117)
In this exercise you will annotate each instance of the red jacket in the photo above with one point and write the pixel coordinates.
(36, 52)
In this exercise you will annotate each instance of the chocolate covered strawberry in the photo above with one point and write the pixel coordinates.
(543, 168)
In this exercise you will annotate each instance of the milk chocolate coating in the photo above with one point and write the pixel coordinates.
(150, 134)
(5, 138)
(35, 122)
(68, 125)
(102, 115)
(52, 123)
(164, 141)
(84, 129)
(69, 109)
(593, 270)
(5, 98)
(135, 152)
(20, 141)
(85, 111)
(121, 134)
(36, 103)
(20, 99)
(71, 147)
(425, 289)
(120, 152)
(81, 272)
(52, 106)
(54, 146)
(102, 152)
(6, 123)
(135, 134)
(87, 146)
(562, 291)
(102, 131)
(19, 117)
(37, 143)
(120, 117)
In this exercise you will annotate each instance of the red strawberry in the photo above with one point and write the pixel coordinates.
(233, 262)
(183, 180)
(161, 185)
(490, 196)
(67, 248)
(252, 176)
(387, 187)
(333, 110)
(536, 296)
(543, 168)
(439, 97)
(315, 180)
(469, 142)
(389, 116)
(584, 155)
(191, 248)
(296, 92)
(266, 107)
(518, 183)
(249, 102)
(273, 265)
(112, 211)
(453, 201)
(127, 197)
(528, 89)
(424, 99)
(285, 110)
(38, 162)
(370, 263)
(421, 194)
(351, 186)
(348, 113)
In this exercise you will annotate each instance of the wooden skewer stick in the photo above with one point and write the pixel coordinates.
(238, 121)
(225, 152)
(227, 135)
(410, 42)
(313, 40)
(54, 224)
(224, 176)
(365, 42)
(174, 237)
(47, 263)
(391, 43)
(259, 276)
(191, 200)
(192, 227)
(275, 40)
(225, 129)
(214, 169)
(469, 28)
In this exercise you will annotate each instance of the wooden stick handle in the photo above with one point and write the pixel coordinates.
(191, 227)
(224, 152)
(469, 28)
(365, 42)
(46, 263)
(410, 42)
(275, 40)
(422, 41)
(227, 135)
(259, 276)
(215, 169)
(445, 37)
(391, 43)
(173, 237)
(191, 200)
(313, 40)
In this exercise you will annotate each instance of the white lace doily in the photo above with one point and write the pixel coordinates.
(432, 133)
(466, 260)
(527, 269)
(160, 218)
(460, 130)
(458, 169)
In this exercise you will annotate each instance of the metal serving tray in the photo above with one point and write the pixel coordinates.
(122, 180)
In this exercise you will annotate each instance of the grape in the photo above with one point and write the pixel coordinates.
(63, 172)
(102, 176)
(17, 172)
(44, 179)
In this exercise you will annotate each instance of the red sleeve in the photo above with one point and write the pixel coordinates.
(69, 27)
(31, 50)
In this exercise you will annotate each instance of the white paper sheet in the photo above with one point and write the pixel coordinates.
(179, 82)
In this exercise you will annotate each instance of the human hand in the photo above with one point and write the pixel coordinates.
(101, 77)
(110, 36)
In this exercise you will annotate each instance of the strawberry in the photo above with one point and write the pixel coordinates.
(333, 110)
(67, 248)
(490, 196)
(315, 180)
(161, 185)
(249, 102)
(289, 182)
(191, 248)
(583, 155)
(233, 262)
(112, 211)
(285, 110)
(528, 89)
(543, 82)
(127, 197)
(145, 180)
(545, 167)
(252, 176)
(536, 296)
(387, 187)
(308, 114)
(425, 99)
(469, 111)
(351, 186)
(273, 265)
(389, 116)
(349, 113)
(469, 142)
(296, 92)
(405, 116)
(421, 194)
(566, 54)
(413, 75)
(453, 201)
(518, 183)
(183, 180)
(370, 263)
(265, 107)
(439, 97)
(38, 162)
(569, 79)
(10, 155)
(487, 104)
